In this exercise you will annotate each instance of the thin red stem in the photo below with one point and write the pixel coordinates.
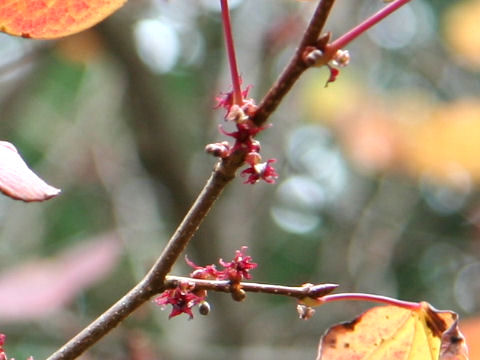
(232, 59)
(349, 36)
(372, 298)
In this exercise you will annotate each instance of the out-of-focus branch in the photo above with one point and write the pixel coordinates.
(149, 115)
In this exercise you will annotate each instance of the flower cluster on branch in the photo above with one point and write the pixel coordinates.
(185, 296)
(244, 136)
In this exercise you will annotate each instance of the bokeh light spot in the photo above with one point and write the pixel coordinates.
(157, 44)
(299, 199)
(467, 287)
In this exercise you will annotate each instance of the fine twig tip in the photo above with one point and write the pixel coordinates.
(322, 289)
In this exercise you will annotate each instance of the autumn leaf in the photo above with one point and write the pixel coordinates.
(18, 181)
(50, 19)
(395, 333)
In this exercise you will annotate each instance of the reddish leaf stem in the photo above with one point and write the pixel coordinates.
(372, 298)
(351, 35)
(232, 59)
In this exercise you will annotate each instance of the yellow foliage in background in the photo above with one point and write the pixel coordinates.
(462, 31)
(447, 145)
(403, 132)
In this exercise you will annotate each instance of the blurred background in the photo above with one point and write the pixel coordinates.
(378, 187)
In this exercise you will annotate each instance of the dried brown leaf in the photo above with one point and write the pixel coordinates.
(395, 333)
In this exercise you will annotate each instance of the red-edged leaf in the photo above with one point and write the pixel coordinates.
(18, 181)
(49, 19)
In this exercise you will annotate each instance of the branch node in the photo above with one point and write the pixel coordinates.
(312, 56)
(323, 40)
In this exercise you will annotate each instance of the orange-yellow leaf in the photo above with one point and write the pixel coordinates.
(394, 333)
(49, 19)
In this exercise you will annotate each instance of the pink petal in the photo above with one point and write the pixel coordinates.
(18, 181)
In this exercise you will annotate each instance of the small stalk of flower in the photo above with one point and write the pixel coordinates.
(237, 95)
(235, 102)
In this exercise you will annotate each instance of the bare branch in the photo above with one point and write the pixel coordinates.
(305, 290)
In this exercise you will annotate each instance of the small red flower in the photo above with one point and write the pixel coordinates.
(261, 171)
(333, 75)
(234, 270)
(244, 140)
(340, 59)
(181, 298)
(244, 136)
(225, 100)
(237, 269)
(208, 272)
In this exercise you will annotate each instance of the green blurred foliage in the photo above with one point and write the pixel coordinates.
(118, 118)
